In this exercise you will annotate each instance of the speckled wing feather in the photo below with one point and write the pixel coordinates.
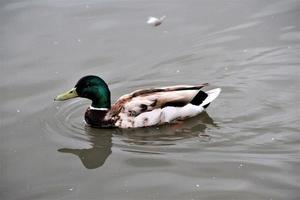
(167, 114)
(145, 100)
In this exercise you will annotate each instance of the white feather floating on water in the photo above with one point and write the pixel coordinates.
(155, 21)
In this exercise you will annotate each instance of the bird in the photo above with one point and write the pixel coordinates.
(155, 21)
(140, 108)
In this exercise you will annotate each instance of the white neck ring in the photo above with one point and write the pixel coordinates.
(94, 108)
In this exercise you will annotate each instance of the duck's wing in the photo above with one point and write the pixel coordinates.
(146, 100)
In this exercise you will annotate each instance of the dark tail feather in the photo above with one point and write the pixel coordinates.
(199, 98)
(205, 106)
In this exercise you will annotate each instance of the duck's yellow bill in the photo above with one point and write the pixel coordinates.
(67, 95)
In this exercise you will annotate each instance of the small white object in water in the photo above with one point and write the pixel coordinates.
(79, 40)
(197, 185)
(245, 50)
(18, 111)
(71, 189)
(155, 21)
(177, 71)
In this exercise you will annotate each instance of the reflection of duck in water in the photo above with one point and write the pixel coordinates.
(101, 148)
(101, 142)
(170, 133)
(140, 108)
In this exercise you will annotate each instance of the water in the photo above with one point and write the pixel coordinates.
(245, 147)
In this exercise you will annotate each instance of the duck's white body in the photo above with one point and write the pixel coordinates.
(162, 115)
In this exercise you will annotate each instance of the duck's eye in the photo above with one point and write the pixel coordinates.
(71, 92)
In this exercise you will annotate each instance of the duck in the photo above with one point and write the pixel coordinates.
(140, 108)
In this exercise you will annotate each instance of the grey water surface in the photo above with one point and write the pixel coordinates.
(246, 146)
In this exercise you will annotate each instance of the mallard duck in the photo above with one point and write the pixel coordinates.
(141, 108)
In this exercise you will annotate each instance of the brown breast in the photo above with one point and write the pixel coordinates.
(95, 118)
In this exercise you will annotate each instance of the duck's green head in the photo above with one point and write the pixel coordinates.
(90, 87)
